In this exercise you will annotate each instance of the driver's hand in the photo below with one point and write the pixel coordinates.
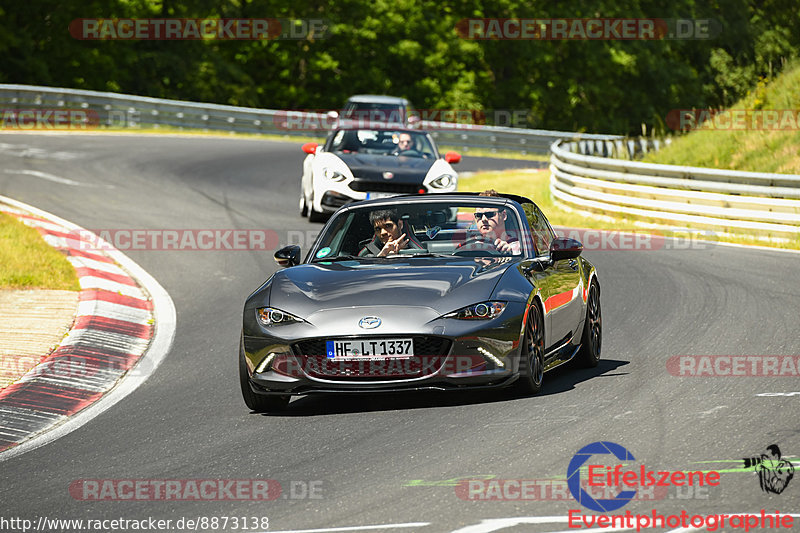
(392, 247)
(507, 247)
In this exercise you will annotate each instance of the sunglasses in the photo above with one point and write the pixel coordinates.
(487, 214)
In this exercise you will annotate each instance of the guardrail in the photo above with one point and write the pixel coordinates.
(704, 197)
(620, 148)
(120, 110)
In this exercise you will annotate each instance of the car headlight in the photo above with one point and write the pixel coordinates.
(269, 316)
(481, 311)
(443, 182)
(333, 175)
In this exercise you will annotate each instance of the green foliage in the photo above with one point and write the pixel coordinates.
(411, 48)
(752, 147)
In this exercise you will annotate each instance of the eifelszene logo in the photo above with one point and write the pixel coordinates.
(773, 472)
(574, 477)
(608, 479)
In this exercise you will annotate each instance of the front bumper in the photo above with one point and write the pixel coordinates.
(475, 355)
(334, 195)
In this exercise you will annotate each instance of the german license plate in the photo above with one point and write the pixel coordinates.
(369, 349)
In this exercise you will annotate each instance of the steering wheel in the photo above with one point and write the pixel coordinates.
(476, 243)
(410, 152)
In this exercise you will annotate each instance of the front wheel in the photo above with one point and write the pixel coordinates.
(592, 340)
(532, 353)
(303, 205)
(257, 402)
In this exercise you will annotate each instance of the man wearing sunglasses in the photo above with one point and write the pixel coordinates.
(491, 224)
(404, 144)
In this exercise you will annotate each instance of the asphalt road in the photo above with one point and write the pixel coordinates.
(394, 459)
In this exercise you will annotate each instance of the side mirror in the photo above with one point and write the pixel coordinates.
(452, 157)
(310, 148)
(414, 121)
(333, 115)
(563, 248)
(288, 256)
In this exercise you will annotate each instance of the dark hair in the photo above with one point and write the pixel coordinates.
(489, 192)
(775, 450)
(383, 214)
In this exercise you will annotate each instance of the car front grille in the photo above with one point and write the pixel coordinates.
(386, 186)
(429, 356)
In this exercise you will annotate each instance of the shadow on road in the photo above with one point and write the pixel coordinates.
(559, 380)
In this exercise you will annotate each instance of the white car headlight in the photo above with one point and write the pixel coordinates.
(269, 316)
(481, 311)
(333, 174)
(443, 182)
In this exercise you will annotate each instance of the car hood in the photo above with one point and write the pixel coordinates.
(370, 166)
(442, 284)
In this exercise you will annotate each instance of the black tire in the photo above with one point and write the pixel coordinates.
(303, 205)
(314, 215)
(592, 339)
(257, 402)
(532, 354)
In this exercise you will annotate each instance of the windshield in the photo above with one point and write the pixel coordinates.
(437, 228)
(363, 111)
(398, 143)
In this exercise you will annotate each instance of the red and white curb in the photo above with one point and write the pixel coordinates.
(124, 327)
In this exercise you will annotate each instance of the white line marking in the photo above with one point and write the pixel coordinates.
(112, 310)
(165, 324)
(110, 268)
(352, 528)
(48, 177)
(25, 151)
(119, 342)
(93, 282)
(596, 529)
(39, 224)
(496, 524)
(704, 414)
(62, 243)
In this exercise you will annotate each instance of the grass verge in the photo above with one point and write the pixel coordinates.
(536, 186)
(501, 154)
(760, 133)
(27, 261)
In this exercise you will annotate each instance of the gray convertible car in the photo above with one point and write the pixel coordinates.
(424, 292)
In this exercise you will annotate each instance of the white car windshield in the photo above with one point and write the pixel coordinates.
(399, 143)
